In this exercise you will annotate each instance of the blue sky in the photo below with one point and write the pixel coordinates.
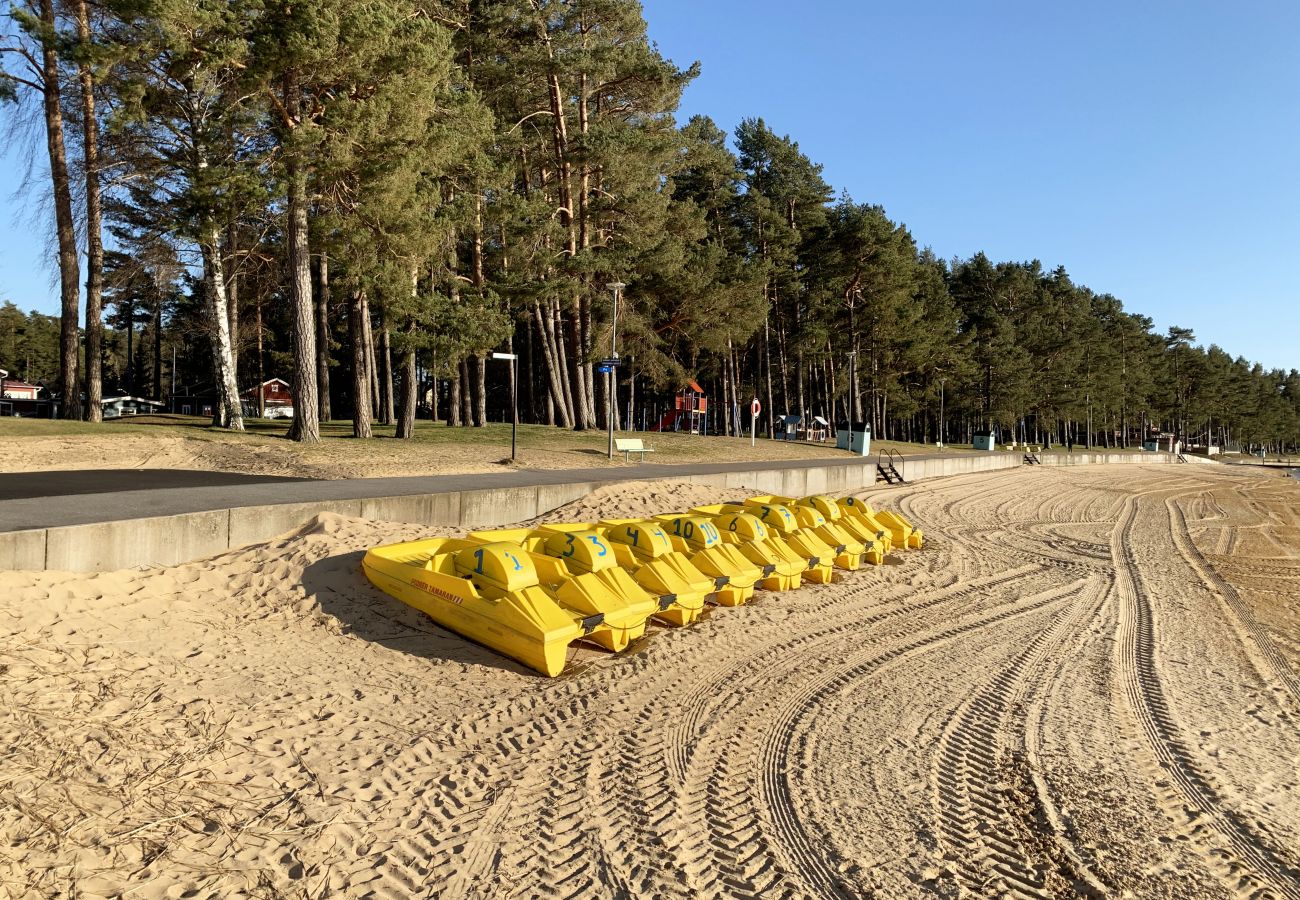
(1149, 148)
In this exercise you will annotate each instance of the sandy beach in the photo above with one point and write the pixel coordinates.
(1087, 683)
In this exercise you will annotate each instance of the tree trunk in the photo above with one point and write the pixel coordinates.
(357, 338)
(261, 362)
(70, 292)
(94, 411)
(323, 335)
(157, 345)
(799, 387)
(466, 402)
(480, 398)
(554, 390)
(433, 390)
(453, 401)
(577, 382)
(555, 372)
(386, 382)
(306, 406)
(232, 294)
(407, 397)
(129, 375)
(372, 367)
(229, 414)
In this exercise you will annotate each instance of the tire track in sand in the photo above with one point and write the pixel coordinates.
(806, 853)
(697, 703)
(975, 820)
(1263, 868)
(1274, 662)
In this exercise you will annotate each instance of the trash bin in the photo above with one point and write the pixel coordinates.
(854, 437)
(983, 440)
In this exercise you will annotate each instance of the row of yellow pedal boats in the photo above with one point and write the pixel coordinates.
(529, 593)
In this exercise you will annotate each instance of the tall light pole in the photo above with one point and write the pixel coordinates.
(615, 288)
(853, 356)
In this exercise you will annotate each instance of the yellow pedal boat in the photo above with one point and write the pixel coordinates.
(900, 530)
(781, 566)
(643, 548)
(488, 592)
(848, 551)
(876, 541)
(820, 557)
(697, 537)
(581, 569)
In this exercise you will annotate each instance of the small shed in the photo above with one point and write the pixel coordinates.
(854, 437)
(818, 430)
(17, 389)
(787, 428)
(984, 440)
(276, 395)
(194, 401)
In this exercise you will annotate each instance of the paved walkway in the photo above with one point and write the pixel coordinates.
(63, 500)
(25, 485)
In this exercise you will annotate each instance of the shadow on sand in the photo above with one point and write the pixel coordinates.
(342, 590)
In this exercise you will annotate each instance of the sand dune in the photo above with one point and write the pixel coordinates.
(1085, 684)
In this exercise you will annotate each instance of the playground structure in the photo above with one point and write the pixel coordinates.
(531, 593)
(690, 412)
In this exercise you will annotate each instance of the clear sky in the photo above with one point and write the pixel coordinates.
(1152, 149)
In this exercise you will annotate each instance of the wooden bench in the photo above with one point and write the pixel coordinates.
(628, 446)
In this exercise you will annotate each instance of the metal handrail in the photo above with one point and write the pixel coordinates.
(894, 455)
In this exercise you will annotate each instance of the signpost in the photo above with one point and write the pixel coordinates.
(754, 409)
(513, 359)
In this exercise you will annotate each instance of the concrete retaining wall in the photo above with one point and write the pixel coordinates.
(170, 540)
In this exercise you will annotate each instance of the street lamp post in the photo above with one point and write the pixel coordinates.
(853, 356)
(513, 359)
(615, 288)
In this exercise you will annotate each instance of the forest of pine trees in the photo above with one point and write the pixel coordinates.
(367, 199)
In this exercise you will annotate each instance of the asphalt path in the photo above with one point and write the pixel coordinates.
(136, 494)
(25, 485)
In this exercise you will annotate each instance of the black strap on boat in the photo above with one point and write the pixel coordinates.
(814, 562)
(768, 570)
(667, 600)
(721, 581)
(841, 548)
(589, 624)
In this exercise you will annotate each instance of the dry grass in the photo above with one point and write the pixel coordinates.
(189, 442)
